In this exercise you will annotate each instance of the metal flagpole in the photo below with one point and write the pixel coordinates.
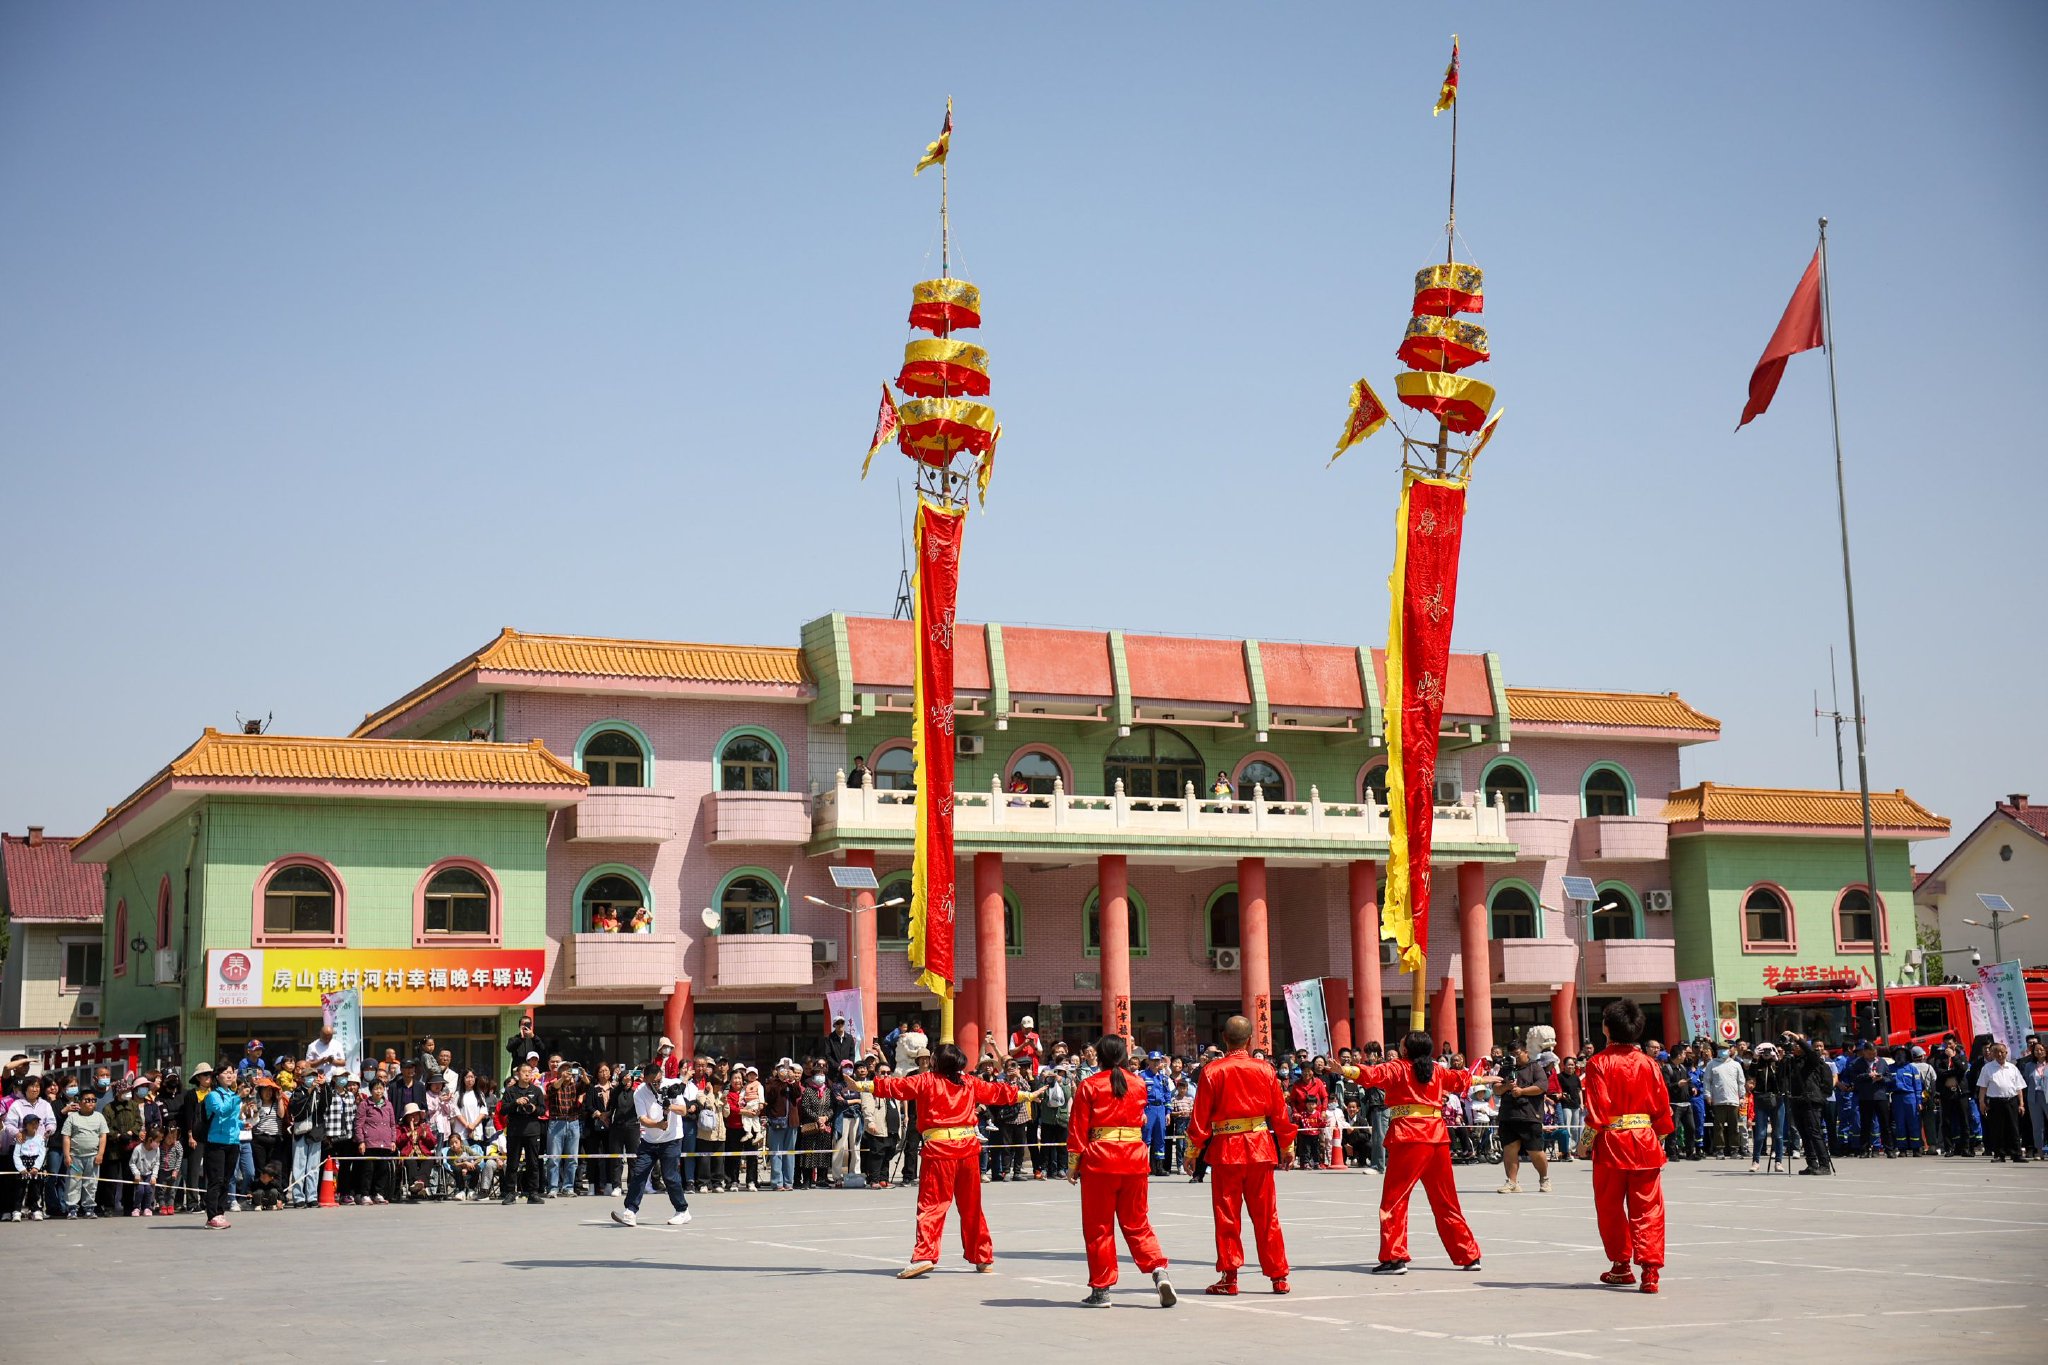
(1855, 670)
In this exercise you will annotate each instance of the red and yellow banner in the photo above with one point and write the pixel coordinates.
(1428, 531)
(296, 978)
(932, 875)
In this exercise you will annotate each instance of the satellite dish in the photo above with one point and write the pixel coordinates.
(710, 919)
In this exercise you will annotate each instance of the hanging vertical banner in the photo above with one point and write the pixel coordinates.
(1696, 1002)
(932, 872)
(2005, 1000)
(1428, 531)
(342, 1011)
(1308, 1015)
(1980, 1010)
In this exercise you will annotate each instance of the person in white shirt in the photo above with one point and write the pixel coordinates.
(323, 1054)
(2001, 1095)
(663, 1106)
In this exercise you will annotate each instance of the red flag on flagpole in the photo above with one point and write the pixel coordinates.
(1799, 330)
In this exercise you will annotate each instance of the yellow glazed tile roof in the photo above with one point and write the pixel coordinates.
(595, 656)
(1640, 710)
(1716, 804)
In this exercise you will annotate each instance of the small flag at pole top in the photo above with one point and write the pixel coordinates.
(1448, 96)
(885, 429)
(935, 152)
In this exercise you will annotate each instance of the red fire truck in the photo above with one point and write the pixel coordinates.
(1835, 1013)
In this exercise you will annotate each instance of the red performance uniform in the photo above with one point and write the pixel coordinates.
(1419, 1149)
(949, 1163)
(1107, 1137)
(1628, 1111)
(1239, 1115)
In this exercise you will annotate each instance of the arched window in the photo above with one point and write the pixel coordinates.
(749, 905)
(1615, 914)
(614, 758)
(892, 925)
(1766, 918)
(1510, 782)
(1034, 773)
(1259, 773)
(163, 913)
(1855, 922)
(1013, 925)
(1153, 762)
(1514, 912)
(894, 771)
(456, 902)
(749, 762)
(300, 898)
(611, 902)
(1372, 785)
(1219, 918)
(121, 938)
(1607, 791)
(1091, 925)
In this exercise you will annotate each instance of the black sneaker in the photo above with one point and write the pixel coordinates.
(1391, 1268)
(1097, 1298)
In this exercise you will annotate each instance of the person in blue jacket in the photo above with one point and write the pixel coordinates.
(222, 1115)
(1848, 1132)
(1158, 1101)
(1870, 1080)
(1906, 1087)
(1696, 1071)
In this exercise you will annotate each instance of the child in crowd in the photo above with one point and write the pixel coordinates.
(268, 1191)
(170, 1173)
(29, 1155)
(143, 1165)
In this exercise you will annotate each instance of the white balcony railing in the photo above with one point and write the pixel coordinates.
(997, 812)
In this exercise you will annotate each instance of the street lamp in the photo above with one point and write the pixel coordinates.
(1998, 906)
(853, 881)
(1581, 890)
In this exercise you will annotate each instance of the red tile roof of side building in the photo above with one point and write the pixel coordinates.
(1625, 710)
(44, 885)
(1792, 808)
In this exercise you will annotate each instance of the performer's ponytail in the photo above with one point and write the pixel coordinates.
(1416, 1047)
(949, 1062)
(1112, 1053)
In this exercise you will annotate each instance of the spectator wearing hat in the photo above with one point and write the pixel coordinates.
(1026, 1048)
(1158, 1105)
(85, 1136)
(268, 1143)
(417, 1154)
(409, 1088)
(252, 1059)
(126, 1124)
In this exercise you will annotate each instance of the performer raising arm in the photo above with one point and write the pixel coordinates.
(1107, 1137)
(949, 1164)
(1628, 1114)
(1239, 1115)
(1418, 1149)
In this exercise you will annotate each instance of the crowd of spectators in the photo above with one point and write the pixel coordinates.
(257, 1135)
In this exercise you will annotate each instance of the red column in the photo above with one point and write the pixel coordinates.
(1113, 910)
(1255, 980)
(1367, 1010)
(991, 957)
(1472, 934)
(1443, 1017)
(1337, 1005)
(1674, 1020)
(679, 1020)
(967, 1020)
(1564, 1017)
(866, 953)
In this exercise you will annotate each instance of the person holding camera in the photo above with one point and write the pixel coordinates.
(663, 1107)
(525, 1112)
(1810, 1080)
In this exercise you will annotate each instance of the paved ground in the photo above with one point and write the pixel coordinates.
(1890, 1261)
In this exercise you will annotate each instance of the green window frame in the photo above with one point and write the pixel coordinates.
(1141, 924)
(744, 771)
(774, 884)
(1534, 910)
(1587, 799)
(1630, 901)
(637, 878)
(1521, 770)
(609, 772)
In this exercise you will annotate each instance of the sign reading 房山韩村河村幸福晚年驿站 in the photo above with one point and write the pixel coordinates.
(296, 978)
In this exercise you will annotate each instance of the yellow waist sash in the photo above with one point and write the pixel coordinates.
(1620, 1121)
(1415, 1111)
(1250, 1125)
(1117, 1134)
(948, 1134)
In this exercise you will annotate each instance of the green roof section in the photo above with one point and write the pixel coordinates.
(998, 672)
(829, 655)
(1255, 676)
(1123, 709)
(1369, 683)
(1496, 683)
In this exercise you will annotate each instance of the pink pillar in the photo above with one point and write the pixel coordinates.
(1564, 1017)
(1443, 1017)
(1113, 909)
(1255, 979)
(1472, 934)
(1674, 1021)
(1367, 1009)
(866, 952)
(967, 1020)
(1337, 1005)
(991, 956)
(679, 1021)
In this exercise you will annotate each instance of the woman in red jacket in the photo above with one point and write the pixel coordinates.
(949, 1162)
(1418, 1149)
(1628, 1115)
(1106, 1134)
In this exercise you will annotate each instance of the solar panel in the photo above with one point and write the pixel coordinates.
(1994, 902)
(854, 878)
(1580, 889)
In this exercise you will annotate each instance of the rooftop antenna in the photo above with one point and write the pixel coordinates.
(901, 611)
(1834, 692)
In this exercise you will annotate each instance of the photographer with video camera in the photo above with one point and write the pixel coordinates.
(1810, 1080)
(664, 1106)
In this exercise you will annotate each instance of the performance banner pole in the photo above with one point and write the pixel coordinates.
(933, 894)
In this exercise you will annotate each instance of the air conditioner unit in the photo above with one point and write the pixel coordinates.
(968, 746)
(166, 966)
(1657, 902)
(1449, 791)
(824, 952)
(1389, 952)
(1225, 959)
(88, 1009)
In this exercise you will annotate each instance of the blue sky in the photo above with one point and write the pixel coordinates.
(332, 339)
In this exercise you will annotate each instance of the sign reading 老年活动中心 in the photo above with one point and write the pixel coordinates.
(297, 978)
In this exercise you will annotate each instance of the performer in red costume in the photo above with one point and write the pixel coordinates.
(1106, 1134)
(1239, 1116)
(1418, 1149)
(1628, 1115)
(949, 1162)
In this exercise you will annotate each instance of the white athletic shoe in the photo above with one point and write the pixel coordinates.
(1510, 1188)
(1167, 1298)
(625, 1218)
(679, 1219)
(915, 1269)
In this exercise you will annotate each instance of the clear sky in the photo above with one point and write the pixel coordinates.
(334, 338)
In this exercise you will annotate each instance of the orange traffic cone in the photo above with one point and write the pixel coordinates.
(327, 1183)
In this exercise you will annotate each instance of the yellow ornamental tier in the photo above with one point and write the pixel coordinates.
(1434, 343)
(944, 306)
(934, 430)
(1459, 403)
(943, 368)
(1441, 290)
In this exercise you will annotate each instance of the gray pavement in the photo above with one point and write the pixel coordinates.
(1889, 1261)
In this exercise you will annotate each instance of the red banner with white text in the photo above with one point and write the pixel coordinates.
(1428, 532)
(932, 876)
